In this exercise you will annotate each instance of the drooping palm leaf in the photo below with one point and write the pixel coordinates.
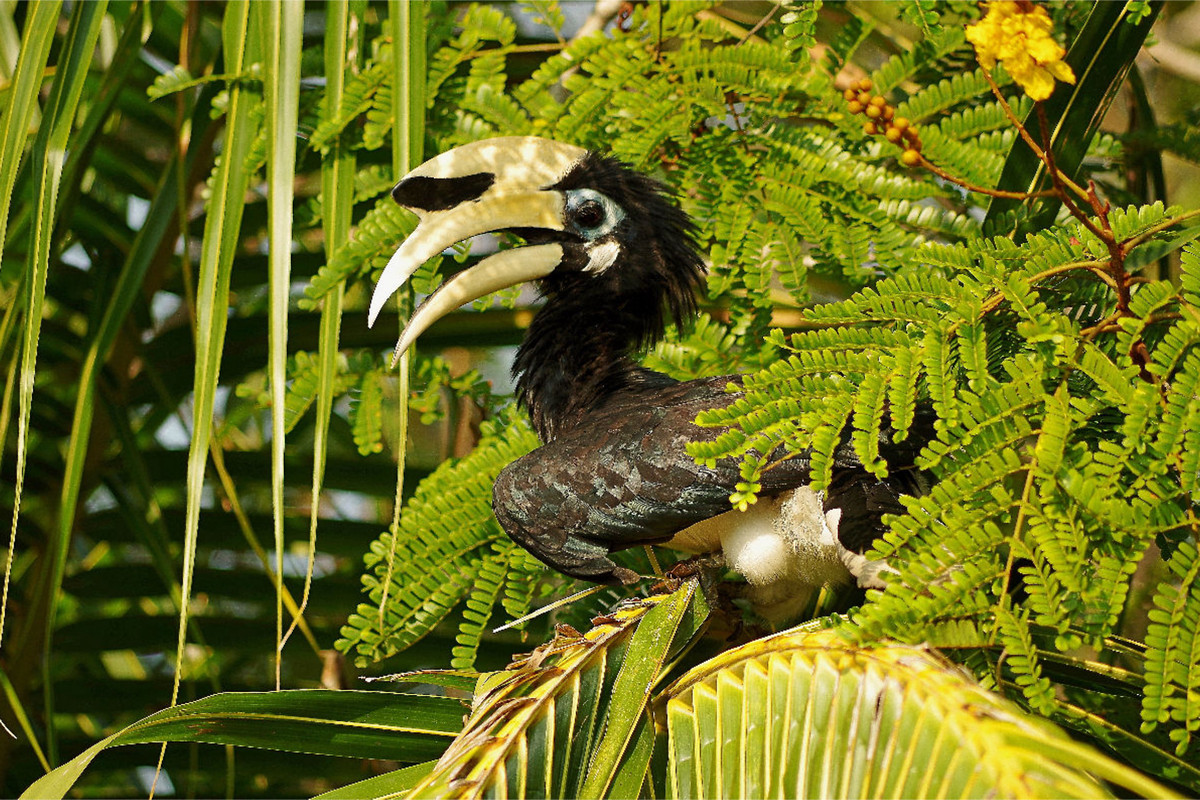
(383, 725)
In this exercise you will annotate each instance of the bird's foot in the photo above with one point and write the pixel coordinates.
(701, 566)
(869, 574)
(696, 565)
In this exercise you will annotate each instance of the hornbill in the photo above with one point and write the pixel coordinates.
(615, 259)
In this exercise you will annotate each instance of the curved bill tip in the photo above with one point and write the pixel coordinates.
(499, 271)
(390, 280)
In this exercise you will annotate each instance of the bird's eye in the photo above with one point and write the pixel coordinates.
(589, 214)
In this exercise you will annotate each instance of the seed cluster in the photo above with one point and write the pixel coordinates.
(881, 118)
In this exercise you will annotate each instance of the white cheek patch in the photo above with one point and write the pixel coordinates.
(601, 255)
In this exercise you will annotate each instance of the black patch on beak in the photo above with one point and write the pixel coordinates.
(438, 194)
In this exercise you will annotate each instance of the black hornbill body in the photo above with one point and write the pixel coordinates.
(616, 260)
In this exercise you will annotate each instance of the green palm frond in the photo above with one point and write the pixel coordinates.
(804, 713)
(571, 718)
(801, 713)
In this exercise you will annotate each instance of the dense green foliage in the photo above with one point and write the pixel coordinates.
(1066, 449)
(754, 139)
(146, 323)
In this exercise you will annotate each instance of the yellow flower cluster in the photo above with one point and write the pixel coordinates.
(1018, 35)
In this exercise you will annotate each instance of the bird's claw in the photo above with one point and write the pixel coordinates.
(700, 566)
(869, 574)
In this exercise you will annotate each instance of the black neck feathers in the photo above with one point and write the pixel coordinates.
(579, 350)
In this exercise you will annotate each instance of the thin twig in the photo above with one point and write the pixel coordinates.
(1012, 117)
(758, 26)
(970, 187)
(549, 47)
(1133, 241)
(1111, 323)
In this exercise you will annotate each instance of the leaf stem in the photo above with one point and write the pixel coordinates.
(1128, 244)
(1012, 117)
(971, 187)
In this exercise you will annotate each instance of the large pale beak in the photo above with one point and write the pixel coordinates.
(478, 188)
(441, 229)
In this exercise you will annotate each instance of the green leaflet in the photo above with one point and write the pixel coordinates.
(481, 602)
(902, 65)
(1172, 677)
(943, 95)
(450, 549)
(366, 412)
(1023, 661)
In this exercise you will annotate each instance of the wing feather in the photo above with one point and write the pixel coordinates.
(622, 478)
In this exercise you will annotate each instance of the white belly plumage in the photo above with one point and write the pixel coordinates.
(785, 546)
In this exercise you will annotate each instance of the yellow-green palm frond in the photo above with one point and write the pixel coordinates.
(571, 718)
(806, 713)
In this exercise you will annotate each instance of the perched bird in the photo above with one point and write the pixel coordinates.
(615, 260)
